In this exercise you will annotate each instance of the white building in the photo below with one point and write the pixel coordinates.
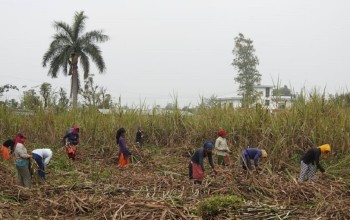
(266, 99)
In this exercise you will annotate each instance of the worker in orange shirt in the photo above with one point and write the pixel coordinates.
(7, 149)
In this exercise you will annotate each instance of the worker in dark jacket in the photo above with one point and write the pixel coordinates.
(311, 161)
(139, 137)
(196, 166)
(124, 153)
(71, 139)
(251, 154)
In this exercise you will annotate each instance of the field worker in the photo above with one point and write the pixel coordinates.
(42, 157)
(222, 150)
(196, 166)
(71, 140)
(311, 161)
(124, 153)
(22, 160)
(7, 149)
(252, 154)
(139, 137)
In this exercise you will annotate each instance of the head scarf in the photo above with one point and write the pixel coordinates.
(19, 138)
(222, 133)
(263, 153)
(325, 148)
(75, 128)
(208, 144)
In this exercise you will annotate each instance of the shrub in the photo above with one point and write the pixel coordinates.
(212, 206)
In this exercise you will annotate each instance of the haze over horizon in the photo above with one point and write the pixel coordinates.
(160, 50)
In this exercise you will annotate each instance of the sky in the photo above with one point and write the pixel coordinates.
(162, 50)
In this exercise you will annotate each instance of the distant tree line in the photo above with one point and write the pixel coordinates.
(46, 98)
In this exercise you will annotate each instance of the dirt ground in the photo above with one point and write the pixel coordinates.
(156, 186)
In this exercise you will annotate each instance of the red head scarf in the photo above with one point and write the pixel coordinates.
(76, 128)
(222, 133)
(20, 138)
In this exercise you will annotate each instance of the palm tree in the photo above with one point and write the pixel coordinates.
(69, 46)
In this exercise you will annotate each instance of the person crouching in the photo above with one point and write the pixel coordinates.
(252, 154)
(311, 161)
(42, 158)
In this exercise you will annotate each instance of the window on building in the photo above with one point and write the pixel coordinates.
(267, 92)
(267, 102)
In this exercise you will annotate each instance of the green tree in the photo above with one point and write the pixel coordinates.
(106, 99)
(284, 91)
(63, 100)
(45, 92)
(69, 46)
(245, 62)
(90, 93)
(6, 88)
(30, 100)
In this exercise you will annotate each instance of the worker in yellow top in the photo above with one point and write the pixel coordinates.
(311, 161)
(221, 148)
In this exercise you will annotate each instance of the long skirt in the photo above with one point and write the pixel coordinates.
(123, 160)
(195, 171)
(71, 151)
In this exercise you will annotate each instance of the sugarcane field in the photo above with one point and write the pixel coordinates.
(174, 110)
(155, 183)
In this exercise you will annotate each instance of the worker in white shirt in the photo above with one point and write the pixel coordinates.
(221, 148)
(42, 157)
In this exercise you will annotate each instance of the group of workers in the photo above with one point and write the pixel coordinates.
(309, 161)
(16, 149)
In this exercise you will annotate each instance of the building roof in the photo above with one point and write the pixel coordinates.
(263, 86)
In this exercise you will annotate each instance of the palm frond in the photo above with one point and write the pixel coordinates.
(94, 36)
(78, 24)
(84, 61)
(94, 52)
(63, 27)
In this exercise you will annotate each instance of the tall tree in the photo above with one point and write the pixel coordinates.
(45, 92)
(30, 100)
(69, 46)
(90, 93)
(63, 100)
(245, 62)
(6, 88)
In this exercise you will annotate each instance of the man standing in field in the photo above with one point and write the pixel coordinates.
(196, 166)
(139, 137)
(311, 161)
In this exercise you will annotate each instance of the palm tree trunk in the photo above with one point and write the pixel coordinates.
(75, 88)
(75, 78)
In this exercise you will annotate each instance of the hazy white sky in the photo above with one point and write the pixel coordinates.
(160, 48)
